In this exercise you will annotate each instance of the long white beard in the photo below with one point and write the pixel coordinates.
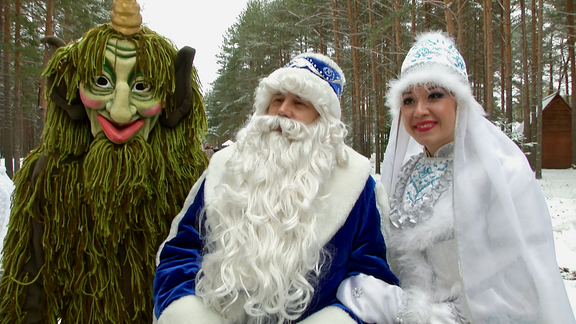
(263, 253)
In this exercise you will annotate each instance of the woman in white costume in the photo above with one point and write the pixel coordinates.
(469, 233)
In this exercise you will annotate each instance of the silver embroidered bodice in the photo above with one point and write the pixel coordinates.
(421, 182)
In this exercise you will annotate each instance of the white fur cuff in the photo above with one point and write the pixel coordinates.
(418, 307)
(189, 310)
(331, 314)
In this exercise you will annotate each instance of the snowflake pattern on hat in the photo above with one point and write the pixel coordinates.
(324, 70)
(435, 50)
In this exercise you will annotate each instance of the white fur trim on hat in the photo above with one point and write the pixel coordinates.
(303, 83)
(439, 64)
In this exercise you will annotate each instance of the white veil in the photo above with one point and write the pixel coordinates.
(502, 225)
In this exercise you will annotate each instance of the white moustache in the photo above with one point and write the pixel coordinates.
(289, 128)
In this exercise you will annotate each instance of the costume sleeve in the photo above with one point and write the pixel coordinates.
(366, 254)
(180, 259)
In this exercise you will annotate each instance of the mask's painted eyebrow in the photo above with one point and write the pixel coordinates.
(109, 69)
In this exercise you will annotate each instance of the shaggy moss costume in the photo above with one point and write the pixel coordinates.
(88, 215)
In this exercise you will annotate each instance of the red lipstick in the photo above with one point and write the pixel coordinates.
(424, 126)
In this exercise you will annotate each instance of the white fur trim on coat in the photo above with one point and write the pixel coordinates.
(383, 205)
(189, 310)
(347, 183)
(329, 315)
(174, 226)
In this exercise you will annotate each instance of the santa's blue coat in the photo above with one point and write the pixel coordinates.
(351, 228)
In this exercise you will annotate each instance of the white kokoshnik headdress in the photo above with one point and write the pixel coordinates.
(433, 60)
(435, 50)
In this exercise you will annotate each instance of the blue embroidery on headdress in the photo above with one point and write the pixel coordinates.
(435, 50)
(321, 69)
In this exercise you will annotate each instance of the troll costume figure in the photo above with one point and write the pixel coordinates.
(120, 150)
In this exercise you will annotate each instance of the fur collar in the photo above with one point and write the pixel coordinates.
(407, 247)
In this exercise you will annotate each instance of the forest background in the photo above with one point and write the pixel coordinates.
(517, 53)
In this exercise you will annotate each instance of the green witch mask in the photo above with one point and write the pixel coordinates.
(120, 102)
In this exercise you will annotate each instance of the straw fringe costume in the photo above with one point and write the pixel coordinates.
(470, 233)
(86, 224)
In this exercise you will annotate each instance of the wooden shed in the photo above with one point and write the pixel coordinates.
(556, 133)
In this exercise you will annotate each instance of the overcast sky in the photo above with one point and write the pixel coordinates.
(194, 23)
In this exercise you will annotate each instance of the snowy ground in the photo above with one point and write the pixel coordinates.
(558, 186)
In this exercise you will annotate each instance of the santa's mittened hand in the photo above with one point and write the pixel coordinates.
(372, 300)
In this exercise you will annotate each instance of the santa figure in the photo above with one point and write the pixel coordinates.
(281, 217)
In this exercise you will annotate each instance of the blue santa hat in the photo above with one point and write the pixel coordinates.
(311, 76)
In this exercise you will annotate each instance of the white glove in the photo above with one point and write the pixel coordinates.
(371, 299)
